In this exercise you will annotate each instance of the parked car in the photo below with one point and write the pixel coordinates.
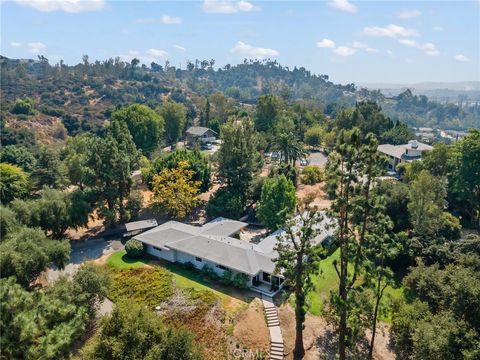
(207, 146)
(304, 162)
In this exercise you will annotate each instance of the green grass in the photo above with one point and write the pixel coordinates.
(120, 261)
(327, 281)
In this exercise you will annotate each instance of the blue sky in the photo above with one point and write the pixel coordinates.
(351, 41)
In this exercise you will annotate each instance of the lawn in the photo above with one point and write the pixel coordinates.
(327, 280)
(120, 261)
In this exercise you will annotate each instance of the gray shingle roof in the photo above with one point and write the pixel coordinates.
(198, 130)
(212, 242)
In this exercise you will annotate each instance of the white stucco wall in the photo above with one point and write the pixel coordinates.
(168, 255)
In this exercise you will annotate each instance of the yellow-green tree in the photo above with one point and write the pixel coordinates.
(174, 191)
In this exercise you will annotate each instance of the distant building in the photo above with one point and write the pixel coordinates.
(403, 153)
(200, 134)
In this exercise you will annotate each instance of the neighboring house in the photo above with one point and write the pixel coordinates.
(200, 134)
(403, 153)
(212, 245)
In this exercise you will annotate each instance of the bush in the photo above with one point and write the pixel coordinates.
(311, 175)
(226, 278)
(240, 280)
(208, 273)
(134, 248)
(23, 107)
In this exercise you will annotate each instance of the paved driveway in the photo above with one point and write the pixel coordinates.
(84, 251)
(318, 158)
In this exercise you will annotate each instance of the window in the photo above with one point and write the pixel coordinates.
(157, 248)
(198, 259)
(266, 277)
(221, 267)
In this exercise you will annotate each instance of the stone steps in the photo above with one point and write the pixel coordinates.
(276, 340)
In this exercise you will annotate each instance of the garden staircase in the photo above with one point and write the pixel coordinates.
(273, 323)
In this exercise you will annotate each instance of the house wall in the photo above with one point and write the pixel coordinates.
(168, 255)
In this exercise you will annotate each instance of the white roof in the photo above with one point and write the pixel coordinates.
(141, 225)
(213, 242)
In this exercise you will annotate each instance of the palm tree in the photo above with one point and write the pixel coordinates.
(289, 147)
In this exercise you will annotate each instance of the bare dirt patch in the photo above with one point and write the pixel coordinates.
(320, 199)
(320, 338)
(251, 328)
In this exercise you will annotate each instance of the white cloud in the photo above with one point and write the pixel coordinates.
(36, 47)
(344, 51)
(343, 5)
(326, 43)
(389, 52)
(408, 42)
(371, 50)
(409, 60)
(228, 7)
(180, 48)
(70, 6)
(359, 45)
(392, 31)
(157, 54)
(15, 44)
(252, 51)
(461, 58)
(409, 14)
(171, 20)
(437, 28)
(133, 52)
(428, 48)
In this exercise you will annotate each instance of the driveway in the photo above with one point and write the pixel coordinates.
(84, 251)
(318, 158)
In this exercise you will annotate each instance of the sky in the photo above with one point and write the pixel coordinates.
(351, 41)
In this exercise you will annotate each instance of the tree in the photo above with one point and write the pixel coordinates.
(111, 161)
(49, 169)
(466, 178)
(174, 191)
(28, 252)
(54, 211)
(237, 156)
(134, 332)
(267, 110)
(8, 222)
(197, 162)
(18, 155)
(399, 134)
(427, 201)
(225, 203)
(174, 115)
(298, 259)
(289, 147)
(277, 202)
(13, 183)
(314, 136)
(351, 173)
(145, 125)
(44, 324)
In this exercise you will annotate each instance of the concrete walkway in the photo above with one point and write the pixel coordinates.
(276, 339)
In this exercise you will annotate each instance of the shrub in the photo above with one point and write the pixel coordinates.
(208, 273)
(134, 248)
(240, 280)
(23, 107)
(311, 175)
(226, 278)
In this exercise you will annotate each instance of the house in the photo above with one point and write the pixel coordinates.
(403, 153)
(213, 245)
(200, 134)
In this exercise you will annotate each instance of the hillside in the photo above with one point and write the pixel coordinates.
(70, 99)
